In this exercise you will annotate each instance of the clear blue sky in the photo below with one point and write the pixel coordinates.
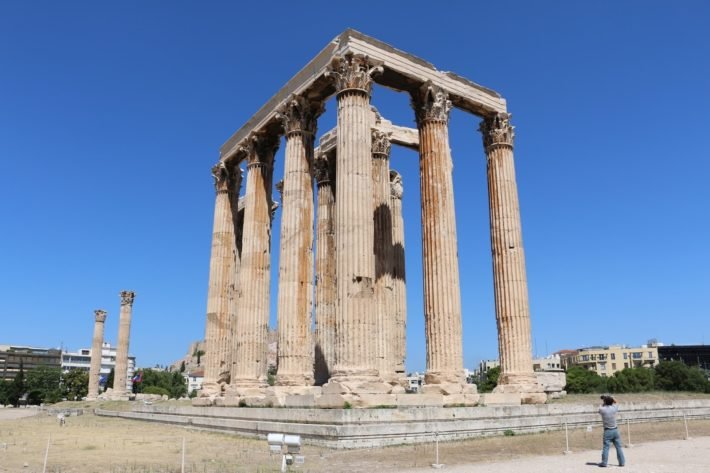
(111, 116)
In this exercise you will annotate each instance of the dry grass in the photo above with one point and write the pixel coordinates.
(652, 396)
(91, 444)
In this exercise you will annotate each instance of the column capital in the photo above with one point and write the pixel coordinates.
(497, 130)
(396, 185)
(221, 177)
(300, 116)
(127, 297)
(100, 315)
(323, 169)
(353, 72)
(259, 149)
(431, 103)
(380, 144)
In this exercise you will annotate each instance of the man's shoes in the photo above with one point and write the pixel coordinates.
(602, 465)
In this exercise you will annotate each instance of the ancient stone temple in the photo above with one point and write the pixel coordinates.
(342, 259)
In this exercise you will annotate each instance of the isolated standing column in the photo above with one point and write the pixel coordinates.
(354, 231)
(97, 343)
(509, 279)
(124, 334)
(252, 323)
(442, 297)
(326, 290)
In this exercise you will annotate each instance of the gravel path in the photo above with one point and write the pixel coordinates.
(9, 413)
(674, 456)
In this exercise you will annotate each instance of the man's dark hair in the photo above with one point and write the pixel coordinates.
(608, 400)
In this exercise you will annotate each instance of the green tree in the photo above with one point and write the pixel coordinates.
(75, 384)
(582, 380)
(4, 392)
(182, 366)
(490, 380)
(671, 375)
(631, 380)
(174, 384)
(43, 384)
(199, 354)
(17, 387)
(109, 379)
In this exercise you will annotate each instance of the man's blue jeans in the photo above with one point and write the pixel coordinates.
(612, 435)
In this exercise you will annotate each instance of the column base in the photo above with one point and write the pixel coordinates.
(525, 384)
(294, 380)
(357, 384)
(444, 377)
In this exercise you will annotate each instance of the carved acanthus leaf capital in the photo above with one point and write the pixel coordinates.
(259, 149)
(381, 144)
(221, 177)
(396, 185)
(497, 130)
(353, 71)
(323, 169)
(127, 297)
(100, 315)
(299, 115)
(431, 103)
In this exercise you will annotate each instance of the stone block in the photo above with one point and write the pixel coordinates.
(457, 400)
(375, 400)
(202, 402)
(300, 400)
(372, 387)
(334, 387)
(500, 399)
(333, 401)
(533, 398)
(230, 401)
(444, 388)
(397, 389)
(470, 389)
(420, 400)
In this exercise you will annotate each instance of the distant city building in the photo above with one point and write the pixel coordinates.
(81, 360)
(13, 357)
(194, 379)
(415, 381)
(548, 363)
(607, 360)
(691, 355)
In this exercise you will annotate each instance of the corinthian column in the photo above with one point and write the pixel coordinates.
(326, 290)
(124, 333)
(295, 355)
(223, 265)
(252, 323)
(354, 231)
(384, 313)
(442, 298)
(97, 343)
(399, 284)
(509, 280)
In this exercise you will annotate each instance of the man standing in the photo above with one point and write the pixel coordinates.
(608, 411)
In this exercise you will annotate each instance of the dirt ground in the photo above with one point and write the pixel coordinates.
(91, 444)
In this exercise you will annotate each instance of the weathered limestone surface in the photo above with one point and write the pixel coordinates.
(295, 356)
(326, 290)
(223, 270)
(251, 327)
(124, 333)
(384, 290)
(96, 347)
(442, 298)
(354, 232)
(509, 280)
(399, 284)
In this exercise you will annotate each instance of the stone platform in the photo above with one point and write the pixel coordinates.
(365, 428)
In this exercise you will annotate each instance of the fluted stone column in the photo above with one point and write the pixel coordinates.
(354, 231)
(382, 248)
(326, 290)
(97, 343)
(442, 298)
(124, 334)
(509, 279)
(221, 291)
(399, 284)
(295, 299)
(252, 322)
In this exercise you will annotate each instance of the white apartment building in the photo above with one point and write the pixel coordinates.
(194, 379)
(81, 360)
